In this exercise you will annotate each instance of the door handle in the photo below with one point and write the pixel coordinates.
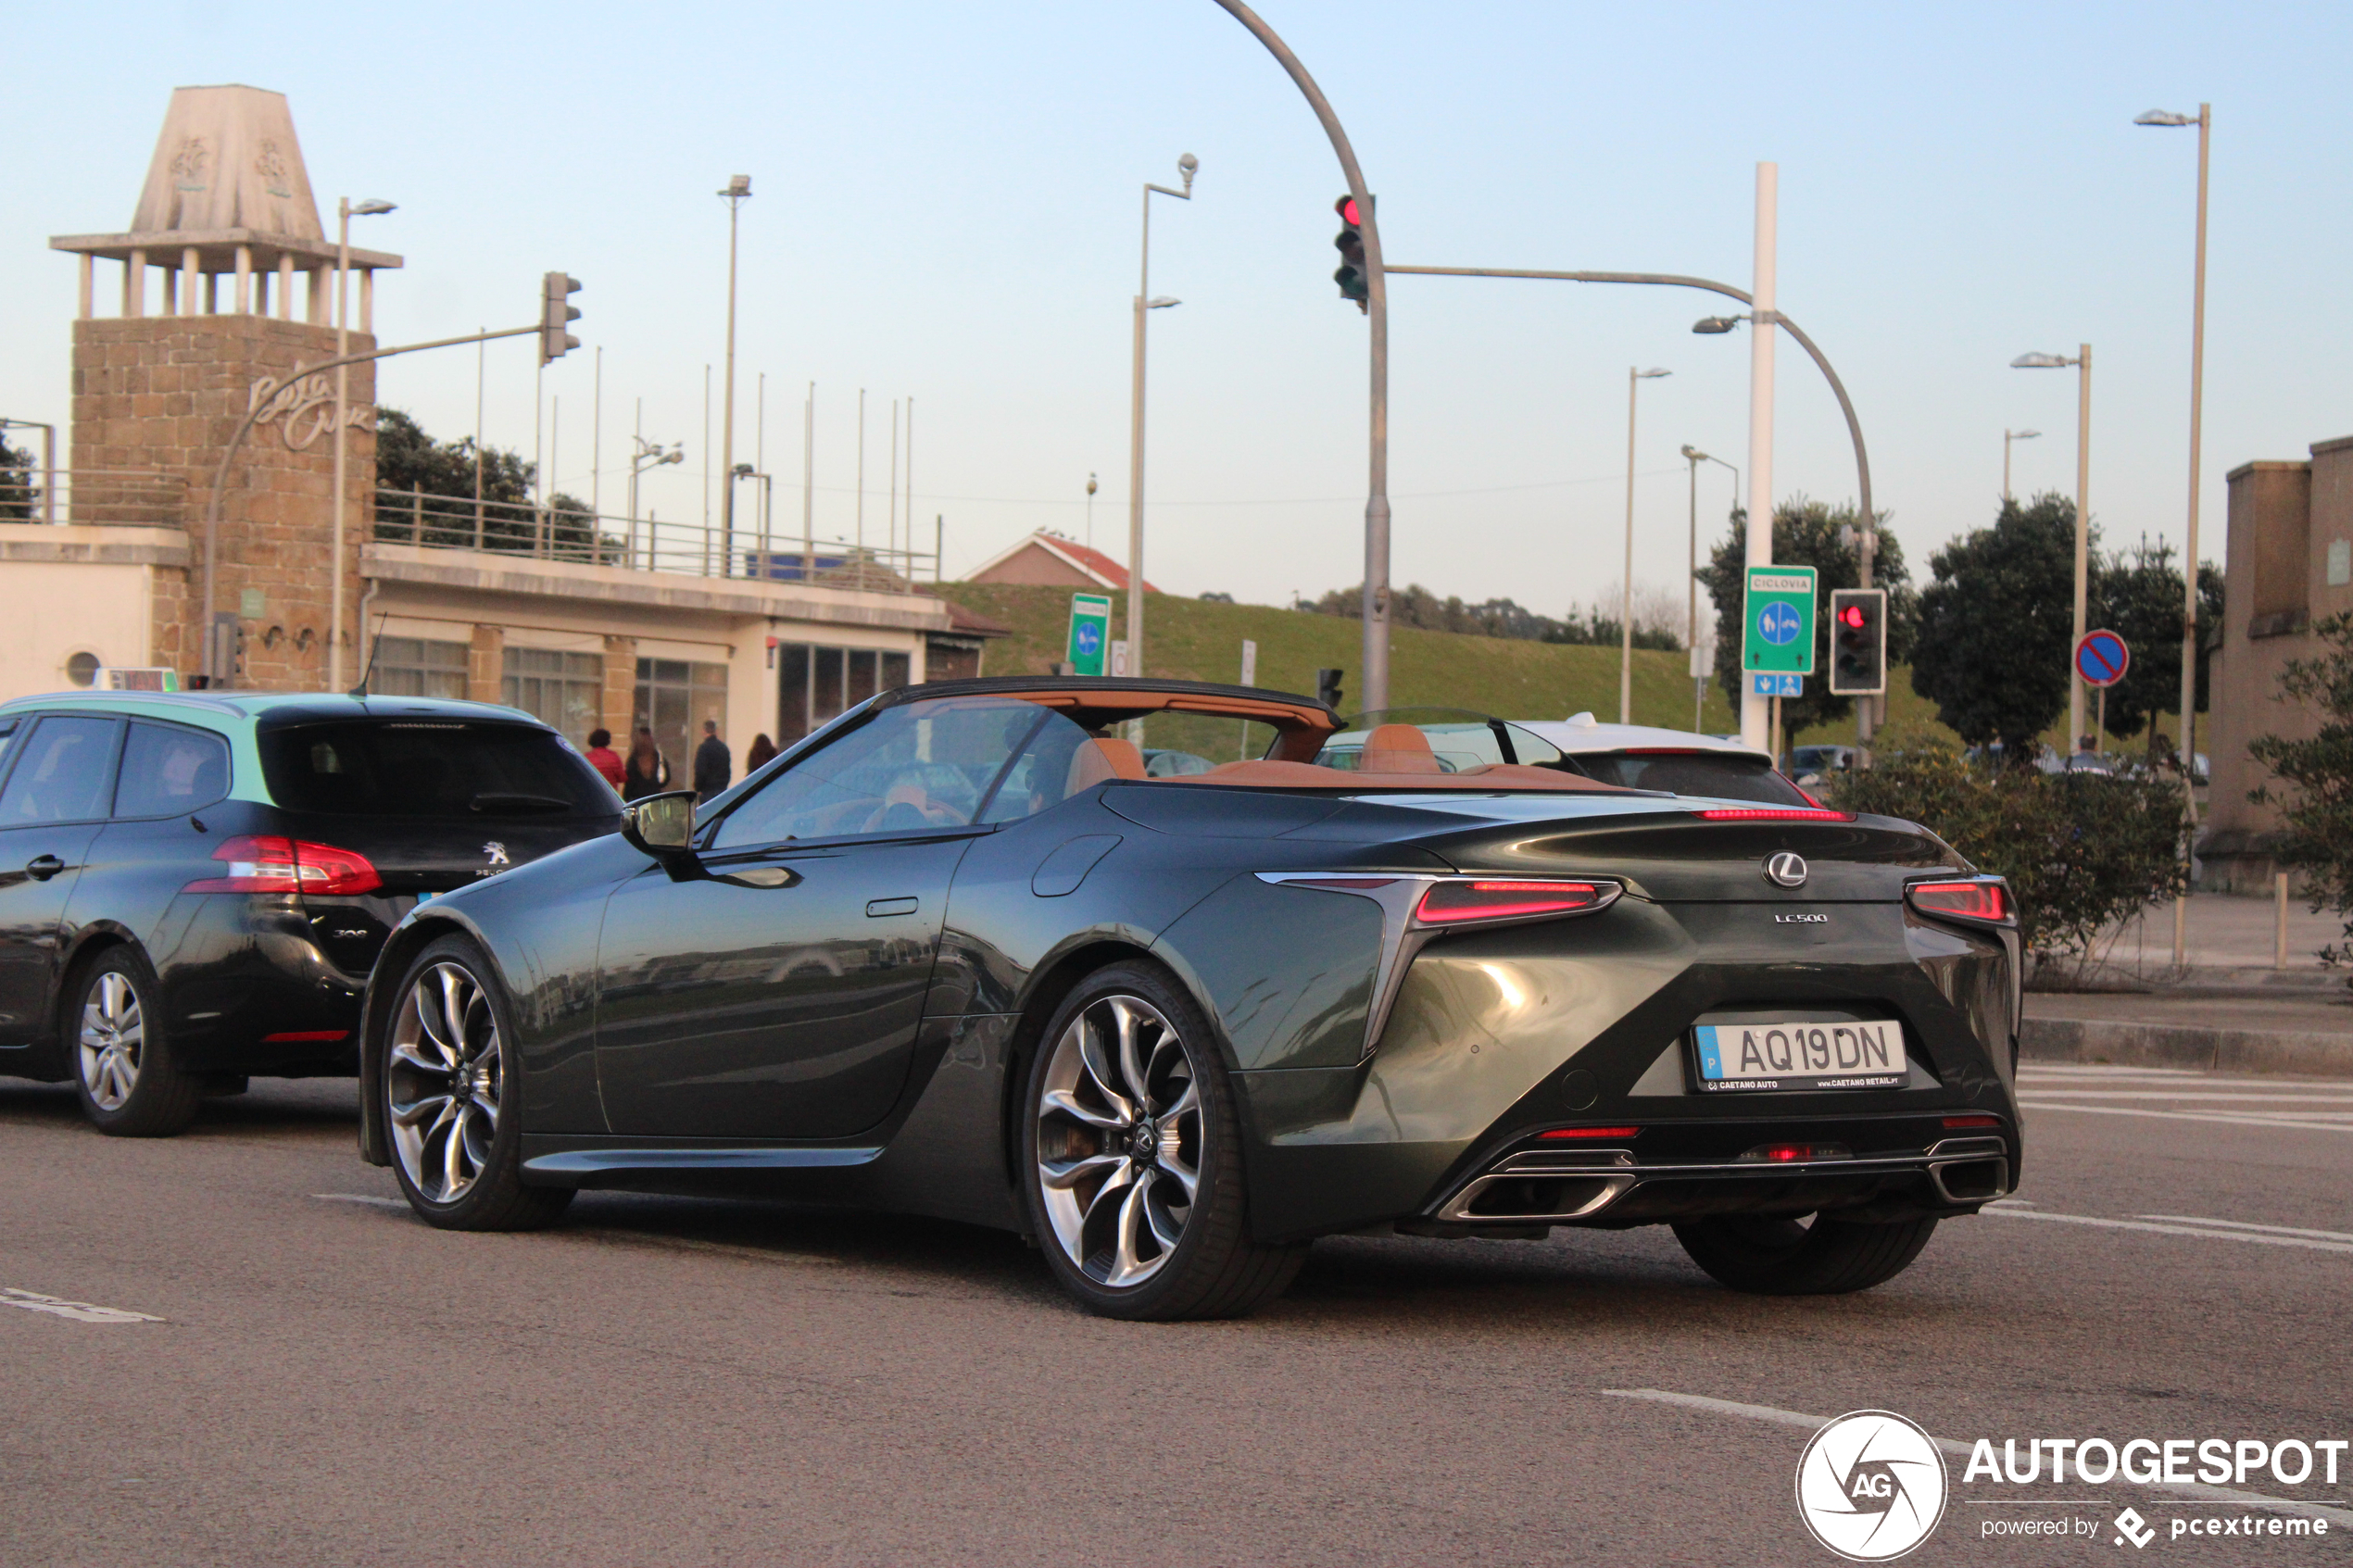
(880, 907)
(41, 868)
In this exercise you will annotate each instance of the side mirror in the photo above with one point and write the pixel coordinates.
(661, 825)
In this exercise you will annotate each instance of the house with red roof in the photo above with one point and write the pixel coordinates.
(1048, 560)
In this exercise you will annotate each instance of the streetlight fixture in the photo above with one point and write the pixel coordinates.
(345, 210)
(1185, 168)
(1090, 511)
(2083, 364)
(1634, 378)
(1694, 456)
(649, 455)
(739, 192)
(2007, 438)
(2204, 121)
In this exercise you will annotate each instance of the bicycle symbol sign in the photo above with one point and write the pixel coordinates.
(1779, 623)
(1778, 631)
(1087, 638)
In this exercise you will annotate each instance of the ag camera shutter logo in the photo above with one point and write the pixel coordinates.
(1871, 1486)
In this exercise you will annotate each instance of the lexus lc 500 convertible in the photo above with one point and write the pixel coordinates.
(957, 954)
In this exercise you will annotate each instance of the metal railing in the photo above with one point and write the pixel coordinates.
(646, 544)
(95, 497)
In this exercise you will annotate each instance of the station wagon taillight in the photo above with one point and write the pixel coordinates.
(267, 863)
(1456, 903)
(1986, 900)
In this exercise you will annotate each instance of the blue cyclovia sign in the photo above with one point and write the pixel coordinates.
(1776, 627)
(1089, 633)
(1086, 639)
(2102, 658)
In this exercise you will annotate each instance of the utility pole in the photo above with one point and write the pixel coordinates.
(1756, 716)
(738, 191)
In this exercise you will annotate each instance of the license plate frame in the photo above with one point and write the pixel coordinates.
(1819, 1055)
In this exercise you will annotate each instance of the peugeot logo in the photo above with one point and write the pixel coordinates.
(496, 853)
(1786, 870)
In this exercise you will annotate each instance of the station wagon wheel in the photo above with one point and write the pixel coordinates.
(123, 1070)
(1135, 1183)
(446, 1079)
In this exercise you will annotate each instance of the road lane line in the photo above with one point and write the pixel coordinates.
(361, 1197)
(2173, 1230)
(2245, 1226)
(2227, 1119)
(2232, 1097)
(79, 1312)
(2198, 1491)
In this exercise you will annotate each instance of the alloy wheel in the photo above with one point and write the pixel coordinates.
(443, 1081)
(113, 1036)
(1120, 1135)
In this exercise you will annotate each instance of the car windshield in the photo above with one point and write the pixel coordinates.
(1458, 738)
(430, 768)
(1726, 775)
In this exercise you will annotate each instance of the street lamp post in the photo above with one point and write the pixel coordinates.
(1694, 456)
(739, 192)
(1185, 166)
(1090, 511)
(2204, 121)
(2083, 365)
(649, 455)
(345, 211)
(2009, 436)
(1634, 378)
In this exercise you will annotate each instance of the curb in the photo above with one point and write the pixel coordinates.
(2307, 1053)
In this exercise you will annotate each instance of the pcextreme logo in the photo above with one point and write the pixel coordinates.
(1870, 1486)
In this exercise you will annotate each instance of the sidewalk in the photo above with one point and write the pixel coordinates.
(2311, 1034)
(2230, 950)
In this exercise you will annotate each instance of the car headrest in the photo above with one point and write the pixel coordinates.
(1100, 759)
(1398, 748)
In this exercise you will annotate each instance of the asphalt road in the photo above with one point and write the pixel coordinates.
(325, 1380)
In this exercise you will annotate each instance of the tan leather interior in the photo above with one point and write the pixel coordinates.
(1484, 779)
(1100, 759)
(1398, 748)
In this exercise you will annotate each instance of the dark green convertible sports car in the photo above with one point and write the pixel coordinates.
(958, 954)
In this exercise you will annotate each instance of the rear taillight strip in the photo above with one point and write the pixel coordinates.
(268, 863)
(1772, 814)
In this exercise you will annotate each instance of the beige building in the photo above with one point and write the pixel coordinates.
(2290, 563)
(226, 289)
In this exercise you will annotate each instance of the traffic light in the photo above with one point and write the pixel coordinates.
(1858, 642)
(1328, 688)
(556, 312)
(1351, 277)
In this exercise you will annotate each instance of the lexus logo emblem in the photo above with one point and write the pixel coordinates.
(1786, 870)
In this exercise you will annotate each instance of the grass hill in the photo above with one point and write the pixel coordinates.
(1193, 639)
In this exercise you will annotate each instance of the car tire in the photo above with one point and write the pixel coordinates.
(118, 1053)
(1131, 1154)
(1781, 1257)
(444, 1064)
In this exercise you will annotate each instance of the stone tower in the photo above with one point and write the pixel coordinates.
(208, 327)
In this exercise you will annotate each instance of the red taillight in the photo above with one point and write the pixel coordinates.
(1565, 1133)
(1957, 1124)
(1773, 814)
(1961, 900)
(267, 863)
(306, 1036)
(1452, 903)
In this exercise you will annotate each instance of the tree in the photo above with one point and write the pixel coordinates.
(411, 463)
(2313, 779)
(1997, 624)
(1807, 533)
(2140, 600)
(19, 495)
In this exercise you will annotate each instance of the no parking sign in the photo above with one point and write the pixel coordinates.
(2102, 658)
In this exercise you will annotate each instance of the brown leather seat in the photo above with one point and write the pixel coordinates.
(1398, 748)
(1100, 759)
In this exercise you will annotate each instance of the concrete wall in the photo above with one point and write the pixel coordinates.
(52, 609)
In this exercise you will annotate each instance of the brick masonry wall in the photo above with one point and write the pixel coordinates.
(486, 665)
(166, 393)
(619, 705)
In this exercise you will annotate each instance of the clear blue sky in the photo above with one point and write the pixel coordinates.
(946, 208)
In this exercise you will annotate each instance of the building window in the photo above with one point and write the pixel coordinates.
(566, 690)
(814, 685)
(415, 666)
(675, 695)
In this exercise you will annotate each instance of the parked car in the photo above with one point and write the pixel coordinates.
(957, 954)
(1811, 765)
(1644, 756)
(194, 887)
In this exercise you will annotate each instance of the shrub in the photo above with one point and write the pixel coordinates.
(2081, 851)
(2313, 779)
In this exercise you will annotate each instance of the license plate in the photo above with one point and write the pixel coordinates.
(1799, 1055)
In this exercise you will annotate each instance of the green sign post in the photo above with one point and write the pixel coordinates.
(1090, 634)
(1777, 626)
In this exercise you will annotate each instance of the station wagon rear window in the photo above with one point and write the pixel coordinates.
(430, 768)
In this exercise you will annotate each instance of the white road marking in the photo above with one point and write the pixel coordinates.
(57, 1306)
(361, 1197)
(2234, 1097)
(2193, 1490)
(2192, 1229)
(2227, 1118)
(2245, 1226)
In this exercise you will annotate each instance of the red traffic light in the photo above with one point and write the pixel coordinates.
(1851, 614)
(1346, 207)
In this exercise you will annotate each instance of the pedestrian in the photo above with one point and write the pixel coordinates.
(606, 760)
(714, 765)
(763, 752)
(648, 769)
